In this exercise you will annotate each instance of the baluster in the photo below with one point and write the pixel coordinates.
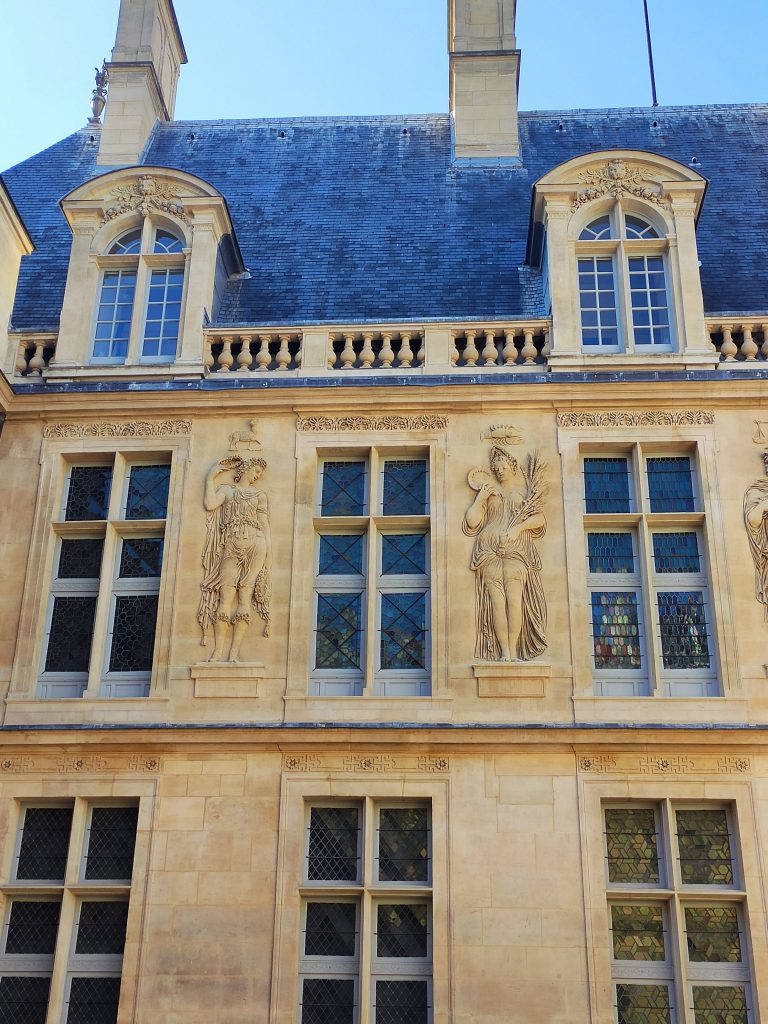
(421, 355)
(387, 355)
(748, 347)
(244, 356)
(299, 352)
(764, 346)
(547, 348)
(367, 355)
(37, 362)
(509, 352)
(405, 353)
(529, 349)
(263, 356)
(225, 356)
(489, 353)
(348, 356)
(470, 351)
(208, 359)
(728, 348)
(711, 331)
(331, 360)
(283, 357)
(21, 359)
(454, 350)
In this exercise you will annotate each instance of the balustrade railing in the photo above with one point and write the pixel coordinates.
(376, 350)
(740, 341)
(249, 353)
(33, 354)
(524, 344)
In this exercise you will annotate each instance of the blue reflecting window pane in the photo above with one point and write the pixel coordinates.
(405, 488)
(403, 631)
(166, 242)
(676, 552)
(606, 485)
(148, 492)
(341, 555)
(343, 488)
(684, 629)
(338, 639)
(128, 244)
(404, 554)
(610, 552)
(615, 630)
(88, 493)
(670, 484)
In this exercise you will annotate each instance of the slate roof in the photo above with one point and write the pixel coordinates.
(354, 219)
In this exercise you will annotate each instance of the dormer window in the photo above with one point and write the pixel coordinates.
(140, 297)
(623, 294)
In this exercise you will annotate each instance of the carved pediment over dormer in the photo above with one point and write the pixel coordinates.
(618, 178)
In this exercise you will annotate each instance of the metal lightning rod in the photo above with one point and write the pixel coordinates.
(650, 53)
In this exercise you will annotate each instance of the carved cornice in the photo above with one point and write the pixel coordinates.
(131, 428)
(345, 423)
(144, 194)
(365, 764)
(616, 179)
(639, 418)
(664, 764)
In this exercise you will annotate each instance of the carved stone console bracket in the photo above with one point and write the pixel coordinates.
(224, 679)
(511, 679)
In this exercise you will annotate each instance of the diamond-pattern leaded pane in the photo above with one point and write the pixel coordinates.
(720, 1004)
(403, 631)
(133, 633)
(713, 935)
(705, 847)
(684, 629)
(405, 488)
(23, 1000)
(333, 844)
(606, 485)
(339, 638)
(610, 552)
(638, 931)
(141, 557)
(616, 629)
(403, 554)
(148, 492)
(402, 929)
(643, 1004)
(32, 927)
(88, 493)
(341, 554)
(676, 552)
(670, 484)
(44, 844)
(327, 1001)
(331, 929)
(404, 844)
(631, 845)
(343, 489)
(402, 1002)
(69, 641)
(102, 927)
(80, 559)
(93, 1000)
(112, 838)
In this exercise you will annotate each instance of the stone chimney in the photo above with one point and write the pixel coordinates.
(143, 75)
(484, 66)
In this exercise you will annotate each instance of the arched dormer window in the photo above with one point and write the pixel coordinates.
(140, 297)
(623, 292)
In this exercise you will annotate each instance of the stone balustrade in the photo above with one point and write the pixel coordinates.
(252, 352)
(33, 354)
(524, 344)
(740, 342)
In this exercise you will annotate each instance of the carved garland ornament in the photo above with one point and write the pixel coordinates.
(144, 194)
(649, 418)
(131, 428)
(617, 178)
(372, 423)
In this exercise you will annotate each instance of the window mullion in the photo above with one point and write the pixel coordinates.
(101, 619)
(367, 909)
(678, 956)
(139, 311)
(624, 297)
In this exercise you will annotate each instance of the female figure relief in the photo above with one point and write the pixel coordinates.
(506, 518)
(756, 523)
(237, 556)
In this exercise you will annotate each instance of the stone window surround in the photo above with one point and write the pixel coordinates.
(56, 457)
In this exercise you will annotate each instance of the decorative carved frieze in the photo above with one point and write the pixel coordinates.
(664, 764)
(345, 423)
(145, 194)
(638, 418)
(616, 179)
(130, 428)
(366, 764)
(88, 764)
(79, 764)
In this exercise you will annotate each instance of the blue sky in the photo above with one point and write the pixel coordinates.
(273, 58)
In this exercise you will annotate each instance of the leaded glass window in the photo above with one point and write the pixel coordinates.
(372, 612)
(638, 932)
(670, 484)
(632, 846)
(404, 844)
(32, 927)
(110, 842)
(606, 484)
(704, 844)
(334, 844)
(328, 1001)
(643, 1004)
(87, 492)
(44, 843)
(148, 492)
(24, 999)
(331, 929)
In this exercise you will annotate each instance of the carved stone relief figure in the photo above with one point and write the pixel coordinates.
(756, 523)
(506, 517)
(237, 555)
